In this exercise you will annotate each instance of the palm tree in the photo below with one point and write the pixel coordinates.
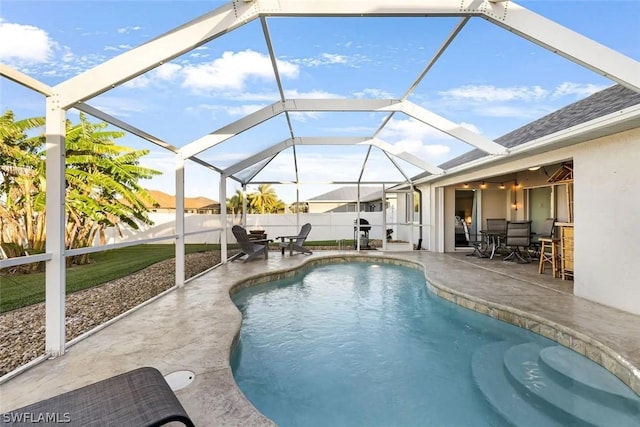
(264, 199)
(234, 204)
(22, 186)
(102, 184)
(102, 187)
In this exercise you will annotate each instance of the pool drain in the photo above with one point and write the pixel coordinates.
(179, 379)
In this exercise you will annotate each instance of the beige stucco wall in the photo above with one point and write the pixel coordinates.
(607, 214)
(607, 218)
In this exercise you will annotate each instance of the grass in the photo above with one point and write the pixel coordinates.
(21, 290)
(25, 289)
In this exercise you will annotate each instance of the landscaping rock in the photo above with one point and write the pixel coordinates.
(22, 331)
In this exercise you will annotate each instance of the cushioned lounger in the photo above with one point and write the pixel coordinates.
(137, 398)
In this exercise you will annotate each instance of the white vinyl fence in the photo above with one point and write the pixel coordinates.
(205, 228)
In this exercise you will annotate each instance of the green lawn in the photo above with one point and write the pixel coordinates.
(25, 289)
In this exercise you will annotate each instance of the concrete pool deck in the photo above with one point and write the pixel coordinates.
(193, 329)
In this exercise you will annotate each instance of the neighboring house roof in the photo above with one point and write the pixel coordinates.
(609, 100)
(347, 194)
(167, 201)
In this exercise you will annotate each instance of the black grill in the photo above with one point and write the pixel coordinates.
(364, 225)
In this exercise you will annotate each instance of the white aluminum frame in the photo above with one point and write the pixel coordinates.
(74, 92)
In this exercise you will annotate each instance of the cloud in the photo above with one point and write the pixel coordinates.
(120, 106)
(165, 73)
(580, 90)
(373, 93)
(127, 30)
(28, 44)
(419, 139)
(233, 70)
(490, 93)
(325, 59)
(243, 110)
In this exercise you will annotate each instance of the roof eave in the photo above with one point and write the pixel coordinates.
(619, 121)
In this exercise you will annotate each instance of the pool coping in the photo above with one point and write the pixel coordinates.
(579, 342)
(196, 328)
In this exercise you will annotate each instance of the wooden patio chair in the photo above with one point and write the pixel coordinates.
(251, 248)
(295, 242)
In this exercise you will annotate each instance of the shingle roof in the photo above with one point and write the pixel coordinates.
(167, 201)
(345, 194)
(610, 100)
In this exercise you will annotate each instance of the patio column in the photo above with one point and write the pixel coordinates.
(223, 217)
(358, 218)
(55, 276)
(180, 250)
(438, 210)
(244, 205)
(384, 217)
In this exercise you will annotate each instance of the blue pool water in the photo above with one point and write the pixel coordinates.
(361, 344)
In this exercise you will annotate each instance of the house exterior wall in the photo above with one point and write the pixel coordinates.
(606, 210)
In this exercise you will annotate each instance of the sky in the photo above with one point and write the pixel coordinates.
(489, 80)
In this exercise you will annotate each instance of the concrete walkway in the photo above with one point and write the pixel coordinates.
(193, 329)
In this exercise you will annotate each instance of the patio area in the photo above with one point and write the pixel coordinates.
(193, 328)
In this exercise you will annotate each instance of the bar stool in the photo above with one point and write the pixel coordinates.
(551, 258)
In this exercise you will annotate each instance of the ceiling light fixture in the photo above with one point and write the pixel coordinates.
(534, 168)
(502, 185)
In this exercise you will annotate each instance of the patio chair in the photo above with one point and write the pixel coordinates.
(477, 244)
(141, 397)
(251, 248)
(295, 242)
(518, 236)
(548, 228)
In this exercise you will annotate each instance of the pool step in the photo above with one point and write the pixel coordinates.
(531, 385)
(576, 370)
(491, 377)
(522, 363)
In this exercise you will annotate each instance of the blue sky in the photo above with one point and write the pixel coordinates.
(489, 79)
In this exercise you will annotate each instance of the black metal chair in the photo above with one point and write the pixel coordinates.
(518, 236)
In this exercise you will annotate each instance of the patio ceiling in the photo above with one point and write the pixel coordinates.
(77, 91)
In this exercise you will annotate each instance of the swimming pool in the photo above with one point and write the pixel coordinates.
(366, 344)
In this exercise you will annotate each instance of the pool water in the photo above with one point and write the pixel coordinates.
(362, 344)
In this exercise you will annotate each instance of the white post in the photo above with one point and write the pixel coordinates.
(384, 218)
(223, 217)
(358, 218)
(438, 209)
(297, 206)
(180, 250)
(244, 205)
(55, 276)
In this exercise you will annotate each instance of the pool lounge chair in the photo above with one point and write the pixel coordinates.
(251, 248)
(295, 242)
(141, 397)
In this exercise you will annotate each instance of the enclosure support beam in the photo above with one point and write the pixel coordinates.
(55, 276)
(180, 250)
(223, 218)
